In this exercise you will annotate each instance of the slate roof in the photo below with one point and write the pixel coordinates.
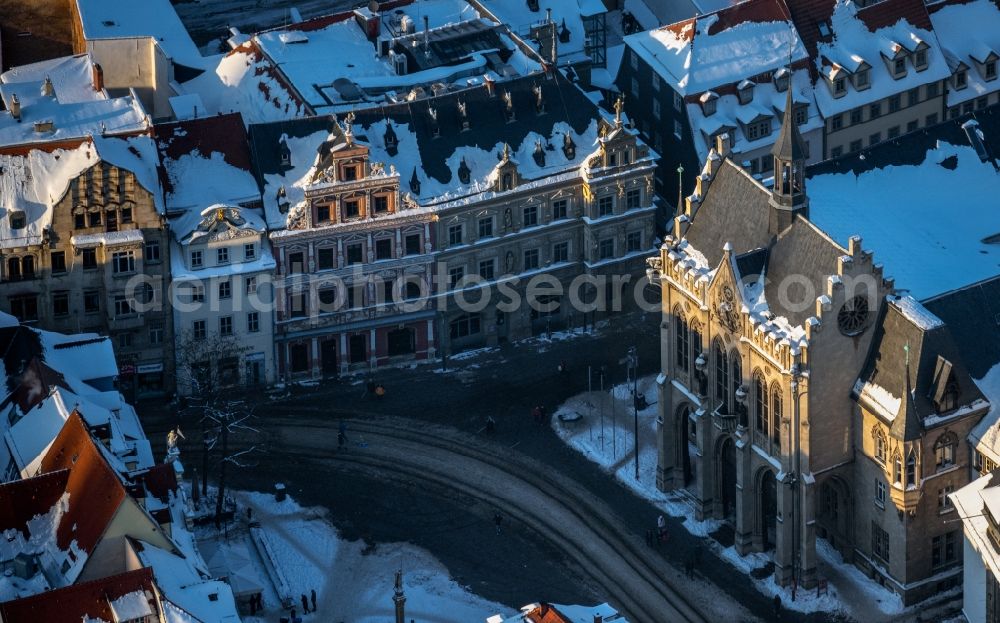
(488, 126)
(887, 366)
(789, 146)
(85, 601)
(734, 210)
(802, 250)
(973, 316)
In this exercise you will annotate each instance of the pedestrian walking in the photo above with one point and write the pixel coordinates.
(498, 520)
(305, 604)
(661, 528)
(293, 613)
(777, 606)
(312, 597)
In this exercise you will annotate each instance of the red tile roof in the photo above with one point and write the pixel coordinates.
(888, 12)
(225, 134)
(545, 613)
(95, 490)
(160, 480)
(72, 603)
(28, 498)
(751, 11)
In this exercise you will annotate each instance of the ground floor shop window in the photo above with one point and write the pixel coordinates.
(402, 342)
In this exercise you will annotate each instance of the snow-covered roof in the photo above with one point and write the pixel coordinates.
(721, 48)
(897, 210)
(123, 19)
(551, 613)
(246, 82)
(971, 502)
(34, 182)
(966, 30)
(515, 14)
(208, 600)
(331, 61)
(855, 40)
(985, 435)
(207, 162)
(767, 101)
(75, 108)
(437, 159)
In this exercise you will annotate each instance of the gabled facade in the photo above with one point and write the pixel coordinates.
(802, 398)
(495, 184)
(85, 248)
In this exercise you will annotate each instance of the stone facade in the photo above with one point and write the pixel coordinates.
(105, 233)
(348, 250)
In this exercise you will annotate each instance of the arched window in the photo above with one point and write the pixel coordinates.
(880, 443)
(681, 341)
(776, 414)
(911, 468)
(13, 269)
(760, 403)
(897, 469)
(944, 450)
(721, 377)
(737, 374)
(28, 267)
(695, 341)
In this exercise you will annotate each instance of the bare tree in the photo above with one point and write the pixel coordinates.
(208, 375)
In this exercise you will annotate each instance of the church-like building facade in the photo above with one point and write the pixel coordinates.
(771, 415)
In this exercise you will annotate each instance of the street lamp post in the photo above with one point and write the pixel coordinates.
(633, 364)
(680, 187)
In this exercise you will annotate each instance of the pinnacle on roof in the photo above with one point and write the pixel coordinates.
(789, 146)
(906, 425)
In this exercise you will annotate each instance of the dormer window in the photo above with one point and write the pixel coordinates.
(758, 129)
(990, 70)
(862, 79)
(781, 80)
(920, 60)
(839, 86)
(745, 90)
(801, 114)
(709, 103)
(961, 79)
(284, 154)
(899, 68)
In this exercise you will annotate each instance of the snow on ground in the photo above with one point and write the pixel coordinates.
(599, 425)
(604, 434)
(350, 585)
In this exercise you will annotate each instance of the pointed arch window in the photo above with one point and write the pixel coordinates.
(760, 404)
(944, 450)
(695, 341)
(897, 469)
(681, 341)
(776, 413)
(880, 444)
(911, 468)
(722, 378)
(735, 381)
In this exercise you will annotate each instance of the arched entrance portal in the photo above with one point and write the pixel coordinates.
(725, 461)
(768, 511)
(684, 425)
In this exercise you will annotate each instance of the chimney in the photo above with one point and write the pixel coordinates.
(98, 76)
(490, 85)
(598, 618)
(15, 107)
(47, 89)
(722, 144)
(427, 27)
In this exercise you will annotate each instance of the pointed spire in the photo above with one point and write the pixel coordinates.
(907, 425)
(789, 146)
